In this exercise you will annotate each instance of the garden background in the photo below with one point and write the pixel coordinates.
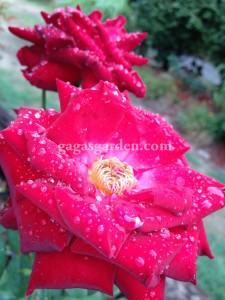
(185, 84)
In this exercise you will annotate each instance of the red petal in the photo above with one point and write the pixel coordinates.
(38, 232)
(45, 74)
(96, 111)
(144, 129)
(68, 270)
(183, 266)
(27, 120)
(30, 56)
(130, 41)
(28, 34)
(91, 221)
(14, 168)
(46, 156)
(203, 245)
(8, 219)
(42, 194)
(134, 290)
(66, 92)
(146, 256)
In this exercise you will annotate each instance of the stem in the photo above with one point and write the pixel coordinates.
(43, 102)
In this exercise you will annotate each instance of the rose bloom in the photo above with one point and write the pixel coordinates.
(78, 48)
(97, 214)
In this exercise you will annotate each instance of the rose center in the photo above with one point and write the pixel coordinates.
(111, 176)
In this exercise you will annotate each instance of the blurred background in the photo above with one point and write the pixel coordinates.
(185, 84)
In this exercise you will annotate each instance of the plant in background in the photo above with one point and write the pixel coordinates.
(81, 49)
(182, 27)
(97, 211)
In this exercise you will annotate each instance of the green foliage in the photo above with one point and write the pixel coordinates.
(158, 85)
(199, 118)
(183, 27)
(211, 274)
(196, 118)
(109, 8)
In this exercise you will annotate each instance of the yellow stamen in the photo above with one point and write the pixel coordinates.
(111, 176)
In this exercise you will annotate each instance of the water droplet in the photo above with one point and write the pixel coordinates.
(76, 107)
(37, 115)
(30, 181)
(43, 188)
(153, 253)
(20, 131)
(206, 204)
(41, 151)
(178, 236)
(43, 222)
(152, 294)
(100, 229)
(93, 207)
(76, 220)
(215, 191)
(139, 261)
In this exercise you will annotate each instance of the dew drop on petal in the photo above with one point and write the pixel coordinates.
(152, 294)
(93, 207)
(139, 261)
(42, 151)
(43, 188)
(215, 191)
(206, 204)
(76, 220)
(100, 229)
(37, 115)
(153, 253)
(43, 222)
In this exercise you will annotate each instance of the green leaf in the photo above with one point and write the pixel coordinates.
(17, 278)
(78, 293)
(2, 255)
(13, 241)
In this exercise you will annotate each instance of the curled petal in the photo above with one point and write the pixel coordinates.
(80, 272)
(134, 290)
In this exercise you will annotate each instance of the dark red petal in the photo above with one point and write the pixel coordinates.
(135, 60)
(134, 290)
(208, 194)
(55, 39)
(143, 130)
(91, 221)
(129, 41)
(203, 245)
(84, 39)
(183, 266)
(28, 34)
(66, 92)
(44, 76)
(97, 112)
(124, 79)
(69, 270)
(115, 23)
(14, 168)
(30, 56)
(42, 194)
(27, 120)
(7, 216)
(47, 157)
(38, 232)
(146, 256)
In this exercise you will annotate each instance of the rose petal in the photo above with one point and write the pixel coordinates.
(38, 232)
(47, 272)
(134, 290)
(89, 220)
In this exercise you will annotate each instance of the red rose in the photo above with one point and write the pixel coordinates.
(103, 194)
(74, 47)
